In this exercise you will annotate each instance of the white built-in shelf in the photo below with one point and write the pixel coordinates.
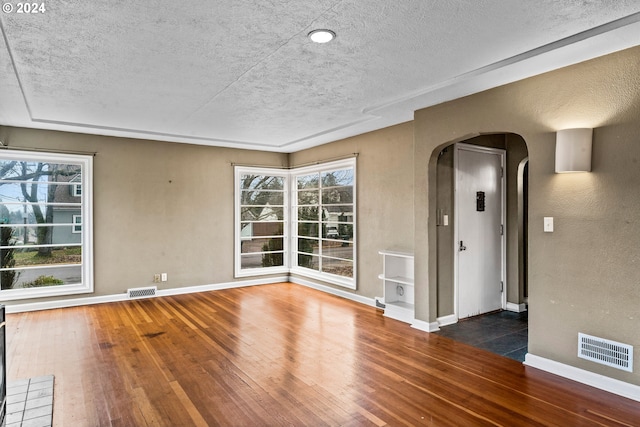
(397, 279)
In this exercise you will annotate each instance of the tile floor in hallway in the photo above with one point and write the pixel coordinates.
(503, 332)
(30, 402)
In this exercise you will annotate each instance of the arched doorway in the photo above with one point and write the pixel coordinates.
(447, 244)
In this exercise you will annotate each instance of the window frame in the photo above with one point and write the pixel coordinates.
(344, 281)
(86, 284)
(290, 222)
(247, 272)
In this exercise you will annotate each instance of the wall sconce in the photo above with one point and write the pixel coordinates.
(573, 150)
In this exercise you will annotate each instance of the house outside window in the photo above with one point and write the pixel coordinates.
(76, 188)
(301, 220)
(77, 224)
(45, 224)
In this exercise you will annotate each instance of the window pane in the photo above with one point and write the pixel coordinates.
(261, 182)
(309, 246)
(41, 277)
(46, 257)
(275, 259)
(32, 171)
(37, 192)
(337, 178)
(41, 234)
(336, 266)
(336, 249)
(308, 229)
(256, 197)
(337, 213)
(261, 245)
(261, 260)
(308, 181)
(26, 213)
(309, 261)
(251, 229)
(308, 213)
(261, 213)
(337, 195)
(337, 231)
(308, 197)
(251, 261)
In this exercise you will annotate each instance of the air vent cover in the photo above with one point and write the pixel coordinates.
(134, 293)
(605, 352)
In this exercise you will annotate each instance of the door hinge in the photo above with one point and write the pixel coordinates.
(501, 286)
(502, 229)
(501, 172)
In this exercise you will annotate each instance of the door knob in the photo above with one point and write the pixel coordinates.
(462, 246)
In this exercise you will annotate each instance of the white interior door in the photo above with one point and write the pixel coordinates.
(479, 228)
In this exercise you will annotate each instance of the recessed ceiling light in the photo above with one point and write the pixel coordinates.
(321, 36)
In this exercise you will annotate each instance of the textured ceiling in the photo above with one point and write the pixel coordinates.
(242, 73)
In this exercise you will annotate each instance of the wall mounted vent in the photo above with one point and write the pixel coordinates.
(134, 293)
(605, 352)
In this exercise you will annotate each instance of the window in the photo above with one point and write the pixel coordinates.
(45, 224)
(324, 222)
(261, 214)
(318, 242)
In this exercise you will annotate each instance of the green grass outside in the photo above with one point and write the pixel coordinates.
(58, 256)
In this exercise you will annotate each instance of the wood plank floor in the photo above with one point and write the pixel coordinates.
(282, 355)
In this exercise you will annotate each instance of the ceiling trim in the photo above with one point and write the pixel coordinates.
(576, 39)
(604, 39)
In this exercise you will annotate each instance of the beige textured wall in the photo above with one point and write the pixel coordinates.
(516, 153)
(584, 276)
(168, 207)
(158, 207)
(445, 233)
(385, 195)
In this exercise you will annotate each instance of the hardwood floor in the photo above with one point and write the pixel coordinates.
(282, 355)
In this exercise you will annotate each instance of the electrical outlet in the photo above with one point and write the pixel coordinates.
(156, 278)
(163, 277)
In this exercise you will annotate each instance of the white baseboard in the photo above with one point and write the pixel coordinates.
(621, 388)
(330, 290)
(74, 302)
(415, 323)
(425, 326)
(447, 320)
(220, 286)
(516, 308)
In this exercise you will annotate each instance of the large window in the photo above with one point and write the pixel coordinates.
(45, 224)
(318, 242)
(261, 226)
(324, 222)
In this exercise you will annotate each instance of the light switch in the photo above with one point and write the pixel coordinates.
(548, 224)
(445, 220)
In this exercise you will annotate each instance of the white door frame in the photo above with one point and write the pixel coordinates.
(502, 154)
